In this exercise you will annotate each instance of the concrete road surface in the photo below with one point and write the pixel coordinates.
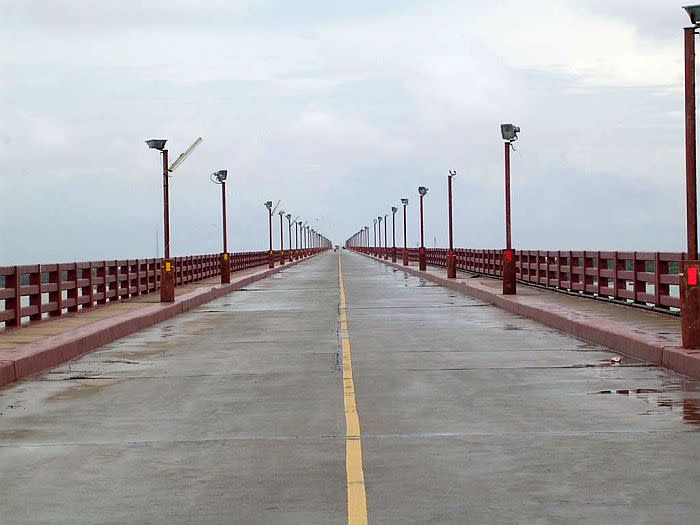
(236, 413)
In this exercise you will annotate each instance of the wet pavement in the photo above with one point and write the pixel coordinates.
(233, 413)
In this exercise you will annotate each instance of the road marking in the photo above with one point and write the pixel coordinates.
(357, 497)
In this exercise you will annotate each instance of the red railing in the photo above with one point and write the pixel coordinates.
(636, 278)
(37, 292)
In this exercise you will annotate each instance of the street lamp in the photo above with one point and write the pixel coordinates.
(270, 256)
(281, 214)
(509, 132)
(167, 268)
(451, 259)
(379, 229)
(422, 191)
(405, 246)
(394, 209)
(689, 289)
(219, 177)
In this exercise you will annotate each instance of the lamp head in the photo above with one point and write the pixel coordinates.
(694, 14)
(453, 173)
(289, 216)
(158, 144)
(394, 209)
(404, 201)
(509, 132)
(379, 218)
(268, 205)
(423, 190)
(221, 175)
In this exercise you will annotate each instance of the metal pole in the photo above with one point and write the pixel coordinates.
(405, 245)
(393, 234)
(166, 205)
(281, 239)
(690, 294)
(167, 270)
(386, 244)
(225, 263)
(507, 153)
(451, 260)
(379, 227)
(421, 255)
(223, 210)
(271, 257)
(508, 261)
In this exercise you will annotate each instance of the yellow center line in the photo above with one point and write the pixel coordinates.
(357, 497)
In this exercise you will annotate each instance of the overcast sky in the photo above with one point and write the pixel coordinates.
(339, 109)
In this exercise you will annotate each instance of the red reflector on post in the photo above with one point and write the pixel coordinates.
(509, 257)
(692, 279)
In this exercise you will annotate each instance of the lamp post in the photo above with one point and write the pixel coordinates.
(451, 259)
(281, 214)
(219, 178)
(167, 268)
(422, 191)
(379, 229)
(270, 255)
(386, 238)
(509, 132)
(405, 246)
(394, 209)
(689, 289)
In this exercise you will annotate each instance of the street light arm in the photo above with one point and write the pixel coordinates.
(184, 155)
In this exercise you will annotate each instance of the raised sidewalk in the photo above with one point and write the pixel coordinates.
(645, 335)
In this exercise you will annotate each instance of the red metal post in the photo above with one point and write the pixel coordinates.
(167, 275)
(270, 254)
(508, 255)
(451, 259)
(421, 252)
(281, 238)
(405, 245)
(386, 243)
(225, 258)
(393, 233)
(690, 294)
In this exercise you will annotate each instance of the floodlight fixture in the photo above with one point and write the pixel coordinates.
(404, 201)
(509, 132)
(694, 13)
(453, 174)
(394, 209)
(281, 212)
(422, 190)
(289, 216)
(219, 177)
(158, 144)
(268, 205)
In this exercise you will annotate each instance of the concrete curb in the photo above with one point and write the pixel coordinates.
(26, 360)
(612, 334)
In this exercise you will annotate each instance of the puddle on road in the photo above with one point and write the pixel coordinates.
(672, 398)
(82, 388)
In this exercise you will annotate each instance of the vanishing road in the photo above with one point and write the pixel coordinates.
(342, 390)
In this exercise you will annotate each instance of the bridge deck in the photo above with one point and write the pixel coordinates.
(236, 412)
